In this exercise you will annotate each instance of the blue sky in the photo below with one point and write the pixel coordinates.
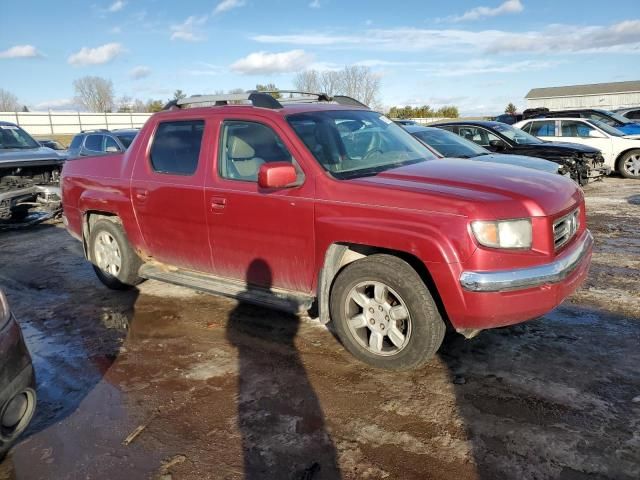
(476, 55)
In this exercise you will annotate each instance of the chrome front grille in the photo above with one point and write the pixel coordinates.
(565, 228)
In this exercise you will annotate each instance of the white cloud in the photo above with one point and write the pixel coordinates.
(116, 6)
(623, 37)
(268, 63)
(510, 6)
(20, 51)
(315, 4)
(96, 56)
(226, 5)
(189, 30)
(139, 72)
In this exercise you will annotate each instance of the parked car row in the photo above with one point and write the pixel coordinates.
(621, 152)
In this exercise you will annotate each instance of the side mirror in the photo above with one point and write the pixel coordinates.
(595, 134)
(497, 145)
(112, 149)
(277, 175)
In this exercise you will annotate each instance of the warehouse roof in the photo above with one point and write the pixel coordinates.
(590, 89)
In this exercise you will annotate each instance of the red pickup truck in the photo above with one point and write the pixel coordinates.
(312, 201)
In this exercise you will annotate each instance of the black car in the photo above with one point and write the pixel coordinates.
(17, 380)
(613, 119)
(101, 142)
(583, 162)
(404, 123)
(448, 144)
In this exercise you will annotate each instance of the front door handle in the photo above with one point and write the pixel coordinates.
(141, 195)
(218, 203)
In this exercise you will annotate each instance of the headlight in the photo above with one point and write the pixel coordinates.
(503, 233)
(5, 313)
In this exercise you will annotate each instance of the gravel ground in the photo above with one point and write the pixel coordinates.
(216, 389)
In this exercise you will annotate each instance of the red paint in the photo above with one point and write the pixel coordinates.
(216, 225)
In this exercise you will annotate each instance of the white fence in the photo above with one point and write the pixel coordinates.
(426, 121)
(59, 123)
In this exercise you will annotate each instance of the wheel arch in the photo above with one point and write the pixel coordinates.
(89, 219)
(340, 254)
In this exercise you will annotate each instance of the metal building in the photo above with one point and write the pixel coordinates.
(608, 96)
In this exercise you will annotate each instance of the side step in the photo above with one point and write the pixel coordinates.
(272, 298)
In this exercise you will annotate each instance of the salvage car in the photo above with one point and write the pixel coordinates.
(29, 174)
(448, 144)
(101, 142)
(632, 114)
(621, 152)
(52, 144)
(294, 202)
(584, 163)
(622, 123)
(17, 380)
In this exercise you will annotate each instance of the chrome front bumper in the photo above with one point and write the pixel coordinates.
(504, 280)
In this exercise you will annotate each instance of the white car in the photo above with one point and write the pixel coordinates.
(621, 152)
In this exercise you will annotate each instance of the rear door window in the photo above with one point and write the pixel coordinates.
(111, 145)
(176, 147)
(543, 129)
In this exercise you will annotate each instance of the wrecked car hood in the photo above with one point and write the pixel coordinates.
(18, 157)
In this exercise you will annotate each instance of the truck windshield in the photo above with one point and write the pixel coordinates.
(356, 143)
(12, 136)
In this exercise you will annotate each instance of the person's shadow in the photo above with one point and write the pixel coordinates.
(284, 435)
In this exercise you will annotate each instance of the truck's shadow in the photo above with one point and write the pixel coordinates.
(281, 421)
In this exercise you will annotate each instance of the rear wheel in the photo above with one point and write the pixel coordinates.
(384, 314)
(113, 259)
(629, 164)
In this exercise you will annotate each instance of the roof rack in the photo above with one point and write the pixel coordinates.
(264, 99)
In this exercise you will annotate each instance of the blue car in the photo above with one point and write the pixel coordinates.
(625, 125)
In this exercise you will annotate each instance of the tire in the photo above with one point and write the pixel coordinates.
(19, 214)
(116, 277)
(629, 164)
(422, 327)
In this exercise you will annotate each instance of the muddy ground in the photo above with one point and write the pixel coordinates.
(224, 391)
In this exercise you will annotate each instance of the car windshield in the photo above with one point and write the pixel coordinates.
(126, 138)
(516, 135)
(607, 128)
(449, 144)
(356, 143)
(12, 136)
(619, 119)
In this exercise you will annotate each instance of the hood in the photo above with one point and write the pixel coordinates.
(632, 137)
(520, 161)
(478, 189)
(630, 129)
(18, 157)
(567, 146)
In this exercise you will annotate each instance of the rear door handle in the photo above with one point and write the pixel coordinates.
(141, 195)
(218, 203)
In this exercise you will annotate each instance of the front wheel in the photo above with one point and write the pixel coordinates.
(113, 259)
(384, 314)
(629, 164)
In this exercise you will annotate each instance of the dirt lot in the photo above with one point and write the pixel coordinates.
(222, 390)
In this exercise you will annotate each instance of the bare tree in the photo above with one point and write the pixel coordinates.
(355, 81)
(8, 101)
(307, 81)
(94, 93)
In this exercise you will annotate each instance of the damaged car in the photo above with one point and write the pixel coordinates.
(583, 162)
(29, 175)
